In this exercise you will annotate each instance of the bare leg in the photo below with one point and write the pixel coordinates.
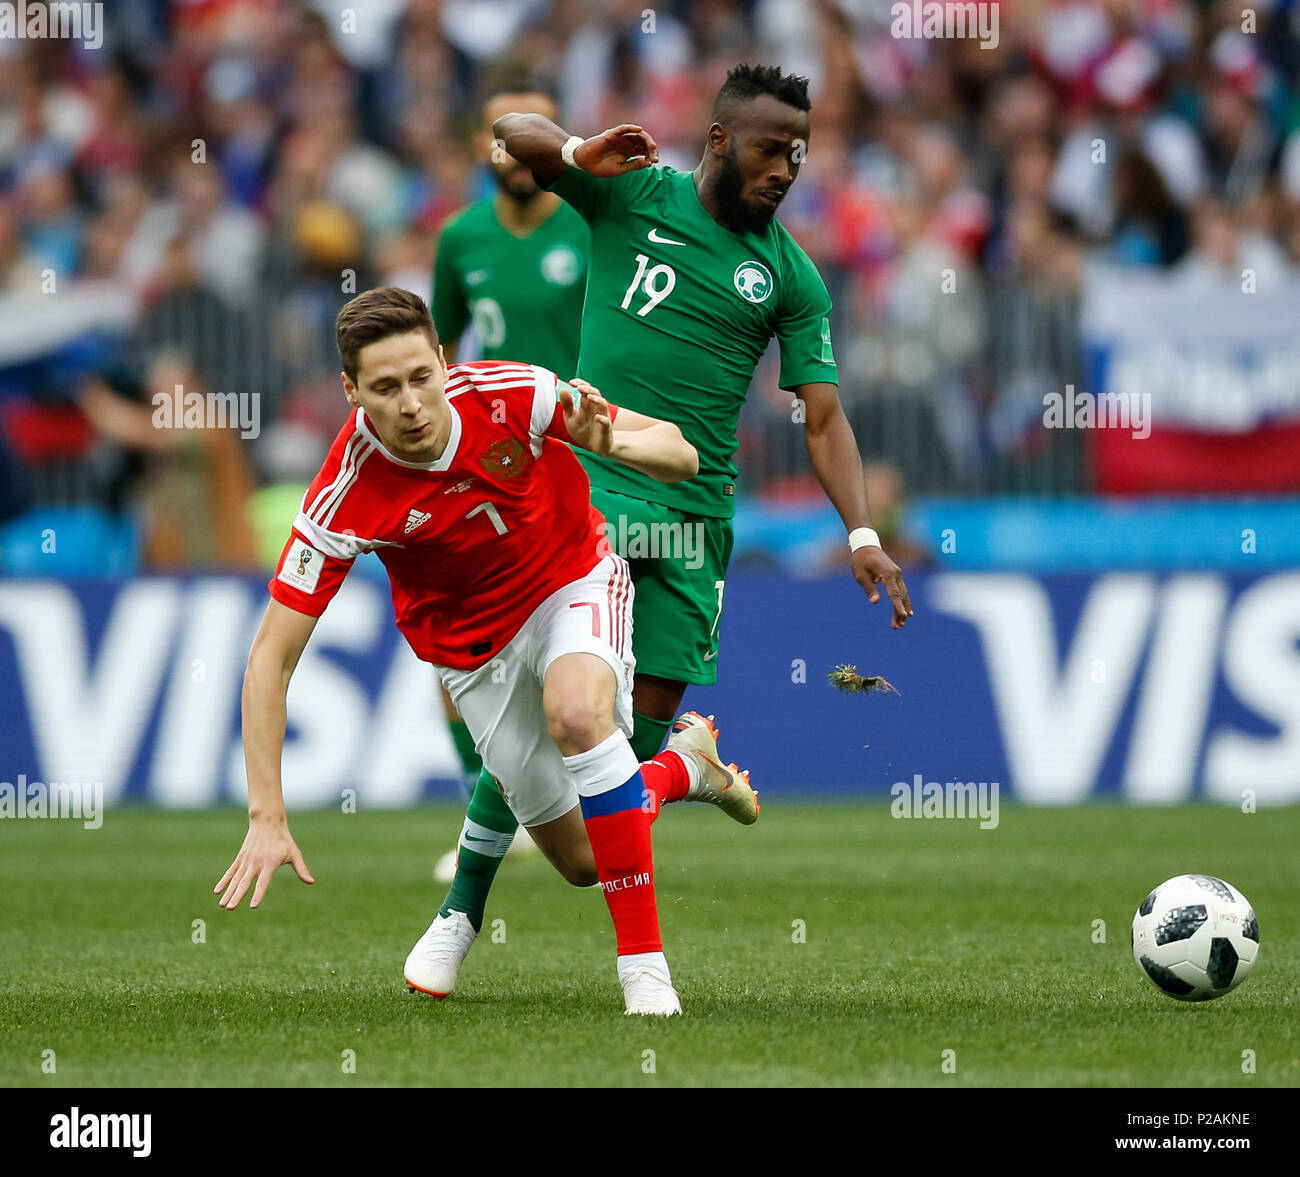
(659, 698)
(564, 842)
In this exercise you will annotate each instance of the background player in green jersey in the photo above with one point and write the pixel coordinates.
(513, 264)
(690, 276)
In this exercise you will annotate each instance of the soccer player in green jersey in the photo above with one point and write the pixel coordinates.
(513, 264)
(689, 277)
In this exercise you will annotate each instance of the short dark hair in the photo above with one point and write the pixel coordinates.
(747, 82)
(375, 315)
(514, 78)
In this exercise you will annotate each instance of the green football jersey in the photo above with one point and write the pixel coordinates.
(677, 314)
(523, 294)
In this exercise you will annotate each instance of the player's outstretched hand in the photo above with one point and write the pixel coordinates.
(625, 148)
(267, 847)
(589, 422)
(871, 566)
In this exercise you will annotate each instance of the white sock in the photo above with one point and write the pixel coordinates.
(608, 765)
(482, 840)
(656, 962)
(693, 773)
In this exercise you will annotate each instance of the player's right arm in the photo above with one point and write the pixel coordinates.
(536, 143)
(280, 641)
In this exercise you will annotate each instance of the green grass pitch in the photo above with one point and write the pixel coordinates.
(920, 937)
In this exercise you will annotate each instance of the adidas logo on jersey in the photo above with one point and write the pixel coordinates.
(415, 519)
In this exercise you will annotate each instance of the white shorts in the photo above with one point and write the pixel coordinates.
(501, 701)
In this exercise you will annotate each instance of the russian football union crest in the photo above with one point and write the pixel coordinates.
(753, 281)
(506, 457)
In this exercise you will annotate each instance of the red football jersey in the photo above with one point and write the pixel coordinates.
(474, 541)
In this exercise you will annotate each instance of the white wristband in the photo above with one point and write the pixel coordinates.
(863, 537)
(571, 144)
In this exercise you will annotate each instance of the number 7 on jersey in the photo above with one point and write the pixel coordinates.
(490, 510)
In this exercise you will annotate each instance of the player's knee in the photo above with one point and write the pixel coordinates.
(576, 724)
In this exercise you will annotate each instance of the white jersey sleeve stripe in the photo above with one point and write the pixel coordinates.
(519, 371)
(347, 476)
(544, 392)
(340, 476)
(511, 373)
(334, 543)
(363, 453)
(488, 385)
(502, 366)
(486, 389)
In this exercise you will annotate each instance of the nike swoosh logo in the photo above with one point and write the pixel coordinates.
(471, 838)
(653, 235)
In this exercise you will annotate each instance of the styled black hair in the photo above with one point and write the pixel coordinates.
(747, 82)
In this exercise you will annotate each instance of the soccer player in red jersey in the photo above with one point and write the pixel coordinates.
(461, 481)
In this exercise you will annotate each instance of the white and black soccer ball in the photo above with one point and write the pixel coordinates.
(1195, 937)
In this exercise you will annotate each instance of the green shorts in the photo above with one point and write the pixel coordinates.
(679, 566)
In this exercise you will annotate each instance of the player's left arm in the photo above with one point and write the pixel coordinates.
(808, 369)
(654, 447)
(833, 452)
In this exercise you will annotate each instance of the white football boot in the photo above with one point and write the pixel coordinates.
(725, 786)
(648, 992)
(435, 961)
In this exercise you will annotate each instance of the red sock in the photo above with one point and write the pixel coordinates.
(620, 843)
(666, 779)
(616, 804)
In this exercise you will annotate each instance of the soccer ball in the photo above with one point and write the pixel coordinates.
(1195, 937)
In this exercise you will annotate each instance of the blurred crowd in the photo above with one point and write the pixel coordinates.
(197, 197)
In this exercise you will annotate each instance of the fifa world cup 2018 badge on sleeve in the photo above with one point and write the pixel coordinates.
(302, 568)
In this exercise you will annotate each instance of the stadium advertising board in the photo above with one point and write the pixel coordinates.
(1153, 687)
